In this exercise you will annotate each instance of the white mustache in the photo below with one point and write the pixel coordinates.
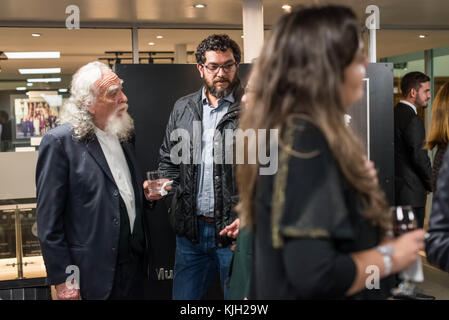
(123, 106)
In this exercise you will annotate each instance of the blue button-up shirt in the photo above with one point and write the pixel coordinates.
(211, 117)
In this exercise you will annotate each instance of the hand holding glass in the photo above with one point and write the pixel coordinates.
(157, 185)
(403, 220)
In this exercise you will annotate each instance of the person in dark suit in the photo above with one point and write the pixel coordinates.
(412, 164)
(90, 201)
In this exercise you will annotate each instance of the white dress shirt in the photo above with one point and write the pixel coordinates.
(115, 157)
(409, 104)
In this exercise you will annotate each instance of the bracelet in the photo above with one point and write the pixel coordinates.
(387, 252)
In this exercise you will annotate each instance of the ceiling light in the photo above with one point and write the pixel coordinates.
(159, 37)
(33, 55)
(200, 6)
(45, 80)
(151, 43)
(242, 36)
(21, 88)
(422, 36)
(63, 90)
(286, 7)
(29, 84)
(36, 34)
(40, 71)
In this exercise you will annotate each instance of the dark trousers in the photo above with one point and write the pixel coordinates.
(420, 213)
(129, 281)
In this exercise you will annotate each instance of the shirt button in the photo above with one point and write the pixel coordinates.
(217, 177)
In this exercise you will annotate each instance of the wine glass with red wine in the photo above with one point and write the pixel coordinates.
(403, 220)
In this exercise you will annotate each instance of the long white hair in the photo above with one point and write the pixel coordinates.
(82, 94)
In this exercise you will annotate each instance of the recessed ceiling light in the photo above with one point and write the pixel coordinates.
(422, 36)
(45, 80)
(242, 36)
(286, 7)
(40, 71)
(36, 34)
(21, 88)
(151, 43)
(33, 55)
(200, 6)
(63, 90)
(29, 84)
(159, 37)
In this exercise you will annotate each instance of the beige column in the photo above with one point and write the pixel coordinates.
(252, 29)
(181, 53)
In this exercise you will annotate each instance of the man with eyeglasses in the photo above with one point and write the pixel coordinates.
(201, 202)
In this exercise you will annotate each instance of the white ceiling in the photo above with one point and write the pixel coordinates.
(401, 22)
(224, 12)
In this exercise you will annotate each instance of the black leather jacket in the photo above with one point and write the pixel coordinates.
(182, 198)
(437, 246)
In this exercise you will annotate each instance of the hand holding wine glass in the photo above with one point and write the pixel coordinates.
(409, 241)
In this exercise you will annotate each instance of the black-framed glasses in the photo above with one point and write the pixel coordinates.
(214, 68)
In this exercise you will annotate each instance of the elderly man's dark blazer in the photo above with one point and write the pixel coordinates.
(78, 210)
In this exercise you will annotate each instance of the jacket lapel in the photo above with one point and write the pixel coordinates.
(94, 148)
(134, 170)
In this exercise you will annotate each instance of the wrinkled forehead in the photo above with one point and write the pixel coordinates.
(107, 80)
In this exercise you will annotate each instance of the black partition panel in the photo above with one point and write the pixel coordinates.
(152, 90)
(372, 120)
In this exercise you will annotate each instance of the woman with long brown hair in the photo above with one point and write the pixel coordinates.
(318, 221)
(439, 130)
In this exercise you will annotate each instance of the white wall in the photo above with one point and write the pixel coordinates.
(17, 175)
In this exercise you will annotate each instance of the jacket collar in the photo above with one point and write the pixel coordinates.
(198, 102)
(94, 148)
(409, 104)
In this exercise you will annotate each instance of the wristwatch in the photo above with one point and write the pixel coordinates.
(386, 251)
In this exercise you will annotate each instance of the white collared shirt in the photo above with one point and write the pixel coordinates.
(115, 157)
(409, 104)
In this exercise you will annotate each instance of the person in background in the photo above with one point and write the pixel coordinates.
(2, 125)
(439, 131)
(42, 125)
(204, 193)
(90, 202)
(241, 265)
(437, 244)
(411, 162)
(321, 220)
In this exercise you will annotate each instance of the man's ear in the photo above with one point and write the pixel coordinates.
(413, 93)
(200, 69)
(91, 108)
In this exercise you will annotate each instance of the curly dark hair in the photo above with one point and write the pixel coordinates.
(217, 42)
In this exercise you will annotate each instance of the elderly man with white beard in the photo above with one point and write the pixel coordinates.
(90, 201)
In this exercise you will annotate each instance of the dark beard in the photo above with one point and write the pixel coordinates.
(221, 94)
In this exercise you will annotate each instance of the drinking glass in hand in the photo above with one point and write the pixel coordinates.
(403, 220)
(155, 182)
